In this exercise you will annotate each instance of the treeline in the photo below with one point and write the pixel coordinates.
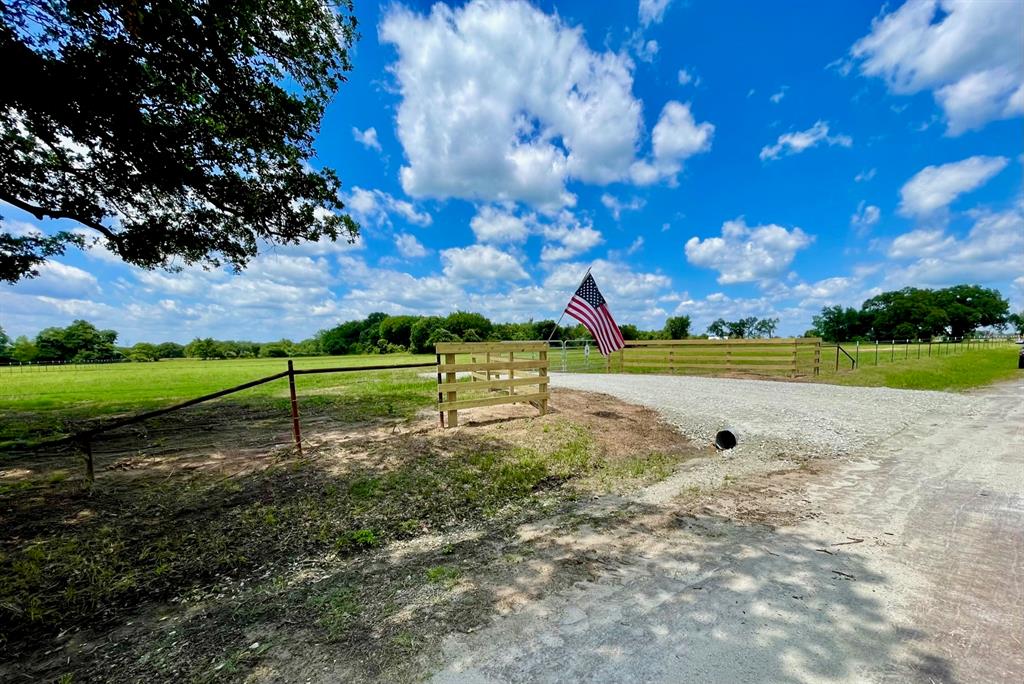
(378, 333)
(914, 314)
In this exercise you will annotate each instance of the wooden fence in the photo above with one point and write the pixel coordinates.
(494, 368)
(790, 356)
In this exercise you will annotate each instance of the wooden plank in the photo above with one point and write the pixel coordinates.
(453, 416)
(542, 405)
(451, 367)
(734, 366)
(493, 384)
(776, 341)
(480, 347)
(785, 356)
(493, 401)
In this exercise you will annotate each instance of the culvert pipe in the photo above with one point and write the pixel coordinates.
(726, 439)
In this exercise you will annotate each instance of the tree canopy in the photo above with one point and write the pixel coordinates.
(915, 313)
(178, 132)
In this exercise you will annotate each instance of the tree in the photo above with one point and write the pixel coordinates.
(205, 348)
(836, 324)
(766, 327)
(5, 346)
(178, 132)
(23, 350)
(629, 331)
(677, 327)
(1017, 321)
(170, 350)
(143, 351)
(80, 341)
(420, 333)
(969, 307)
(741, 328)
(397, 329)
(717, 328)
(459, 322)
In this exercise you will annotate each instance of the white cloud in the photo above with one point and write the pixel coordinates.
(865, 176)
(20, 228)
(409, 247)
(497, 225)
(969, 53)
(571, 239)
(935, 187)
(991, 251)
(376, 207)
(685, 77)
(747, 254)
(866, 216)
(646, 50)
(920, 243)
(367, 138)
(652, 11)
(797, 142)
(482, 264)
(616, 206)
(57, 279)
(635, 246)
(776, 97)
(676, 137)
(501, 101)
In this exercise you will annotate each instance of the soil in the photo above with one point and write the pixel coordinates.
(275, 621)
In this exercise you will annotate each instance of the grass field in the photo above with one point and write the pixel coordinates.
(39, 402)
(961, 371)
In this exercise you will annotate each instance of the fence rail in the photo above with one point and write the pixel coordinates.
(492, 368)
(791, 355)
(83, 438)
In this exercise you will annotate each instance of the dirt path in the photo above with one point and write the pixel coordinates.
(901, 562)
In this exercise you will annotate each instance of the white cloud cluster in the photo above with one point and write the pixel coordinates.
(617, 206)
(652, 11)
(367, 138)
(376, 207)
(747, 254)
(866, 216)
(501, 101)
(797, 142)
(481, 264)
(933, 188)
(992, 250)
(569, 239)
(676, 137)
(57, 279)
(501, 225)
(409, 247)
(969, 53)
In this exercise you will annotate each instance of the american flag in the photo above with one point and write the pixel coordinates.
(589, 308)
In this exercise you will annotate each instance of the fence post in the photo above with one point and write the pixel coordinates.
(440, 395)
(453, 414)
(817, 357)
(837, 356)
(90, 473)
(296, 432)
(856, 363)
(543, 372)
(892, 350)
(796, 347)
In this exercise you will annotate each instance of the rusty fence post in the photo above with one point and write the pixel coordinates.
(296, 431)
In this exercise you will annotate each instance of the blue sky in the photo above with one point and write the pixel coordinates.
(705, 158)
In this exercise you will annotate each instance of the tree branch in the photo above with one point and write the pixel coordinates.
(42, 213)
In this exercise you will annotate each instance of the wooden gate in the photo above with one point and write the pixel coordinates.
(778, 356)
(491, 373)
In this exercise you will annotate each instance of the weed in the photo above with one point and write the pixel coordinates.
(444, 575)
(336, 609)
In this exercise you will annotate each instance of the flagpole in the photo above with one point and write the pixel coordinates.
(563, 310)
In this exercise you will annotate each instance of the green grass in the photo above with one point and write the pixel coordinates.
(961, 371)
(37, 403)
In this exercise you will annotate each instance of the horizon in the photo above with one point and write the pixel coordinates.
(703, 163)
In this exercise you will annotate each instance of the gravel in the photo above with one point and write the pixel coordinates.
(775, 419)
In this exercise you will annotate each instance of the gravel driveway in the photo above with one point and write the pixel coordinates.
(776, 417)
(899, 562)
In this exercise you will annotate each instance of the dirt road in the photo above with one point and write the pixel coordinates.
(901, 561)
